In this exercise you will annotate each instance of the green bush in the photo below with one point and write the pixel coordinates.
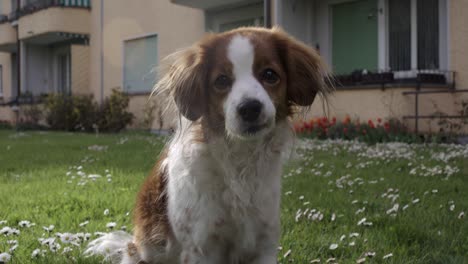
(113, 115)
(81, 113)
(70, 113)
(4, 124)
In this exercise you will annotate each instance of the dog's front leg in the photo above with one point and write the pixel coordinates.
(195, 255)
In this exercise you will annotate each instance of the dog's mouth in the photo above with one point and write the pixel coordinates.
(253, 129)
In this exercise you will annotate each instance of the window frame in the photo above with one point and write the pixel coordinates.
(214, 19)
(143, 36)
(384, 38)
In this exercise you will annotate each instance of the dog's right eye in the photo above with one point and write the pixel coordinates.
(222, 82)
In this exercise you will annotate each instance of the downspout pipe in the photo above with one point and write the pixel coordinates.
(101, 25)
(18, 53)
(267, 13)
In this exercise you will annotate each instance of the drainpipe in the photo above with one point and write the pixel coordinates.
(102, 50)
(18, 52)
(267, 13)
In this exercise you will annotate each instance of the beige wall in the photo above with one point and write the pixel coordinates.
(7, 34)
(5, 6)
(175, 25)
(54, 19)
(458, 41)
(80, 69)
(5, 61)
(372, 104)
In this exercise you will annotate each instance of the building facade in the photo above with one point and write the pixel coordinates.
(380, 51)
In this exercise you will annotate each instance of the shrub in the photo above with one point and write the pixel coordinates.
(4, 124)
(70, 113)
(113, 115)
(81, 113)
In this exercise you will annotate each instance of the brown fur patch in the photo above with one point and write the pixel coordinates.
(150, 215)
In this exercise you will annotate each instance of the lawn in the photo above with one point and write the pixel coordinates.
(343, 202)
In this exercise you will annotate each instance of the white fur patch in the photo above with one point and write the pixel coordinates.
(241, 54)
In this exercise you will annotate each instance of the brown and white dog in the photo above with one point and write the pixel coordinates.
(214, 195)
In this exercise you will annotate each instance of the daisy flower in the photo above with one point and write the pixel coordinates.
(333, 246)
(111, 225)
(5, 257)
(67, 238)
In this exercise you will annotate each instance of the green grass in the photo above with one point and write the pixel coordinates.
(34, 186)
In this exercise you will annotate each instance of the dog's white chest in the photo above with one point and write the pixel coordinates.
(224, 196)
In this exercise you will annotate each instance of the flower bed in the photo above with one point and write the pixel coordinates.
(372, 131)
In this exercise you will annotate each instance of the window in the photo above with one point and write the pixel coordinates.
(234, 17)
(413, 34)
(428, 34)
(399, 34)
(140, 58)
(64, 73)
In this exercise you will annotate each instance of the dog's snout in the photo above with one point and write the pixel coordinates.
(250, 110)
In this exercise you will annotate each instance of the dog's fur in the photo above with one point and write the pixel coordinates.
(214, 195)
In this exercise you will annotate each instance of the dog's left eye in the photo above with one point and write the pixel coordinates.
(222, 82)
(270, 77)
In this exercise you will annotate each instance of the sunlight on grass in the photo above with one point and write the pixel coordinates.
(344, 202)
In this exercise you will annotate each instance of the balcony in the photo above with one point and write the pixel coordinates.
(7, 36)
(48, 21)
(213, 4)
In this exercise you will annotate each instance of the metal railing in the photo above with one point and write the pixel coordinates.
(384, 78)
(36, 5)
(417, 116)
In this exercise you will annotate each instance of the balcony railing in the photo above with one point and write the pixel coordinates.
(36, 5)
(419, 78)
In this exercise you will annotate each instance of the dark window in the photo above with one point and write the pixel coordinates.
(428, 34)
(399, 34)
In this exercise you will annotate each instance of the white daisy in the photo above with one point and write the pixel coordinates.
(361, 221)
(387, 256)
(67, 238)
(106, 212)
(111, 225)
(48, 228)
(84, 223)
(5, 257)
(333, 246)
(35, 253)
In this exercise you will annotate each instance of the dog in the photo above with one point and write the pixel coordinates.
(214, 195)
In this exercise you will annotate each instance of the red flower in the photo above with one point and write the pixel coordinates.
(387, 126)
(379, 120)
(347, 120)
(371, 124)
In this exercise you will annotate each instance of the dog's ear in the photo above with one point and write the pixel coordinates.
(185, 79)
(304, 68)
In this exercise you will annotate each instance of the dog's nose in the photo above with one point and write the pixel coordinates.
(250, 110)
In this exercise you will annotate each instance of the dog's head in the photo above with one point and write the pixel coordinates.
(244, 81)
